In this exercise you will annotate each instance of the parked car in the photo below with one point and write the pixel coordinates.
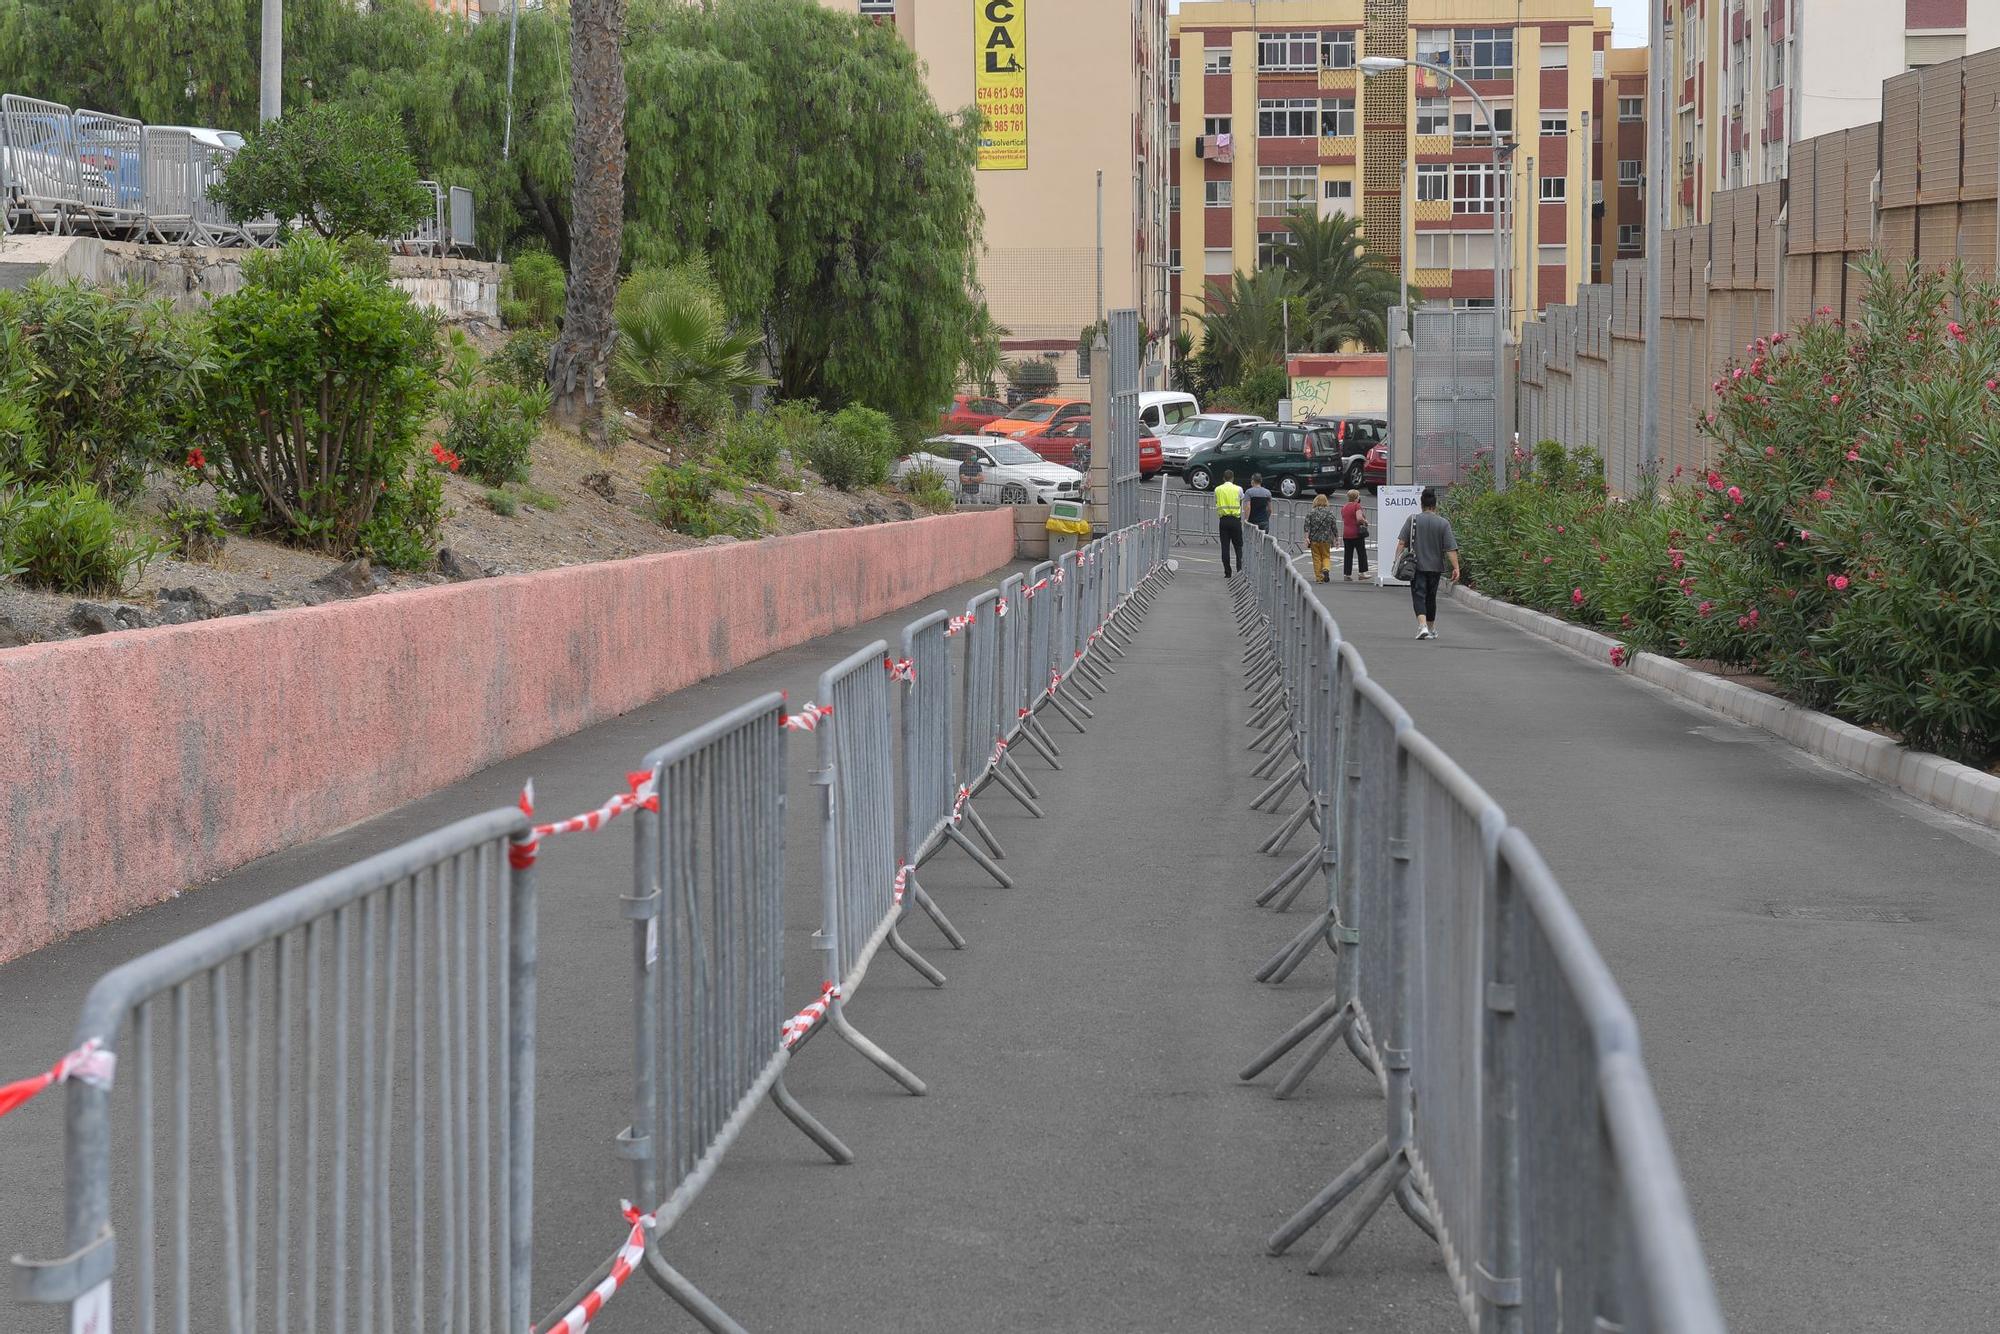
(1030, 417)
(1070, 442)
(1293, 460)
(1015, 474)
(207, 138)
(969, 413)
(1186, 437)
(1357, 434)
(1161, 410)
(1443, 457)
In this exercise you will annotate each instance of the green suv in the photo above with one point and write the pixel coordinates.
(1293, 460)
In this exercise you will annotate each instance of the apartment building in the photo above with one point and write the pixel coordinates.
(1749, 77)
(1273, 115)
(1621, 162)
(1070, 91)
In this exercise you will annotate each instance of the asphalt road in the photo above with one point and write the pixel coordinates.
(1829, 1078)
(1085, 1161)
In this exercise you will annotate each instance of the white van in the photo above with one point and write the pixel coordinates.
(1161, 411)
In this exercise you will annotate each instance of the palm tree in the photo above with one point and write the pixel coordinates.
(676, 358)
(1245, 321)
(597, 204)
(1347, 295)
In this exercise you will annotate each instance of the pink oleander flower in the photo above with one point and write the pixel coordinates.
(1770, 451)
(1736, 495)
(1548, 560)
(1576, 597)
(1805, 535)
(1706, 608)
(1837, 582)
(1714, 480)
(1617, 655)
(1836, 400)
(1822, 494)
(1854, 455)
(1955, 331)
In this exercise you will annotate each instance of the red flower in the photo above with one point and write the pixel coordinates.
(1714, 480)
(1705, 608)
(1837, 582)
(1736, 495)
(445, 456)
(1854, 455)
(1576, 596)
(1617, 655)
(1955, 331)
(196, 460)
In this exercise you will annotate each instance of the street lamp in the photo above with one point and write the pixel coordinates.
(1503, 258)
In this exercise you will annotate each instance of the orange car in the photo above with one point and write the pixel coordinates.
(1036, 416)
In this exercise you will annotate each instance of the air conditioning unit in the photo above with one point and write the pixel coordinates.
(1201, 145)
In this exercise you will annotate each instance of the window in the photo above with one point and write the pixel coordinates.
(1483, 53)
(1173, 199)
(878, 7)
(1472, 303)
(1215, 60)
(1214, 125)
(1631, 236)
(1555, 125)
(1468, 124)
(1294, 118)
(1454, 250)
(1774, 59)
(1337, 196)
(1281, 51)
(1433, 115)
(1690, 43)
(1282, 189)
(1336, 49)
(1552, 256)
(1273, 253)
(1434, 45)
(1174, 79)
(1174, 260)
(1631, 108)
(1596, 257)
(1555, 189)
(1918, 52)
(1218, 263)
(1472, 188)
(1173, 136)
(1433, 181)
(1555, 55)
(1218, 194)
(1631, 172)
(1597, 64)
(1336, 117)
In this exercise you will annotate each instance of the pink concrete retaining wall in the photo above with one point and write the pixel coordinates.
(136, 764)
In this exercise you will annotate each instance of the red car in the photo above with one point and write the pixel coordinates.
(1068, 443)
(969, 414)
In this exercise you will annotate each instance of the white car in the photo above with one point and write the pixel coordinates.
(1182, 441)
(1014, 474)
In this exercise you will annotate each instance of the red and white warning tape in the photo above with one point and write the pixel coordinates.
(1035, 587)
(623, 1265)
(805, 720)
(90, 1064)
(1000, 607)
(956, 625)
(522, 855)
(793, 1030)
(902, 881)
(901, 669)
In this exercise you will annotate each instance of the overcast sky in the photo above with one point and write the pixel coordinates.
(1628, 21)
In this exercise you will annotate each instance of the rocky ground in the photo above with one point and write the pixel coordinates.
(580, 505)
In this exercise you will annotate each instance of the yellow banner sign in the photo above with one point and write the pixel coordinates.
(1000, 81)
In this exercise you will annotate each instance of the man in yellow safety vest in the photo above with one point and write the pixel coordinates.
(1229, 521)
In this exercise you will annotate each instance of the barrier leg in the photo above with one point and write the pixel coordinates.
(1272, 762)
(1297, 947)
(690, 1298)
(1297, 871)
(1326, 1011)
(925, 968)
(1370, 1200)
(882, 1060)
(1271, 733)
(978, 854)
(1333, 1033)
(1062, 706)
(1007, 782)
(808, 1124)
(1038, 736)
(1414, 1206)
(1329, 1197)
(979, 827)
(1089, 669)
(936, 914)
(1013, 766)
(1288, 830)
(1278, 786)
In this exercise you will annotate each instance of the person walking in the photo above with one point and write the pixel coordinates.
(1229, 520)
(1431, 543)
(1258, 497)
(1321, 523)
(1353, 538)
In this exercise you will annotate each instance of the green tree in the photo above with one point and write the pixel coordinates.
(1244, 322)
(1347, 296)
(677, 358)
(597, 202)
(341, 172)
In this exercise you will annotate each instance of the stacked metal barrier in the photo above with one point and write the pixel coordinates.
(1521, 1131)
(370, 1058)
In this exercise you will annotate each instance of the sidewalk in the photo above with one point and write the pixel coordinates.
(1086, 1159)
(1828, 1078)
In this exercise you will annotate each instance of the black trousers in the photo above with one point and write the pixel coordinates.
(1424, 593)
(1350, 548)
(1230, 530)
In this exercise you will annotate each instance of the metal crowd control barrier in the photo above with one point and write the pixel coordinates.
(935, 802)
(1521, 1129)
(359, 1054)
(707, 908)
(986, 721)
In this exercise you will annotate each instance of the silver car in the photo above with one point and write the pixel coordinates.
(1180, 442)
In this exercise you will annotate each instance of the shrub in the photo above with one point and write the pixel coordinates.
(534, 291)
(757, 444)
(929, 491)
(501, 503)
(340, 171)
(96, 384)
(68, 538)
(321, 381)
(1031, 377)
(1258, 392)
(401, 533)
(682, 496)
(195, 532)
(523, 360)
(677, 360)
(857, 448)
(490, 425)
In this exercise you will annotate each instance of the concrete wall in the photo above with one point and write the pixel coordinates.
(459, 289)
(136, 764)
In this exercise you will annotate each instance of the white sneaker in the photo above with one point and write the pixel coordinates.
(1432, 635)
(1423, 634)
